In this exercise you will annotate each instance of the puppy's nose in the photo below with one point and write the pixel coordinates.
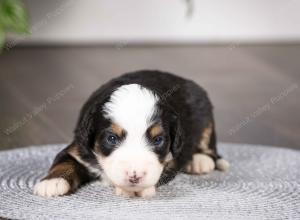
(134, 177)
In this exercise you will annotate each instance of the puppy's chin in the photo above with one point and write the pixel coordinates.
(133, 188)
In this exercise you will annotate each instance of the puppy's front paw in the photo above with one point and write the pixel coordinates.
(200, 164)
(124, 193)
(147, 193)
(222, 164)
(52, 187)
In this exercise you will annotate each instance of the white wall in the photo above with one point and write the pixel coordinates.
(100, 21)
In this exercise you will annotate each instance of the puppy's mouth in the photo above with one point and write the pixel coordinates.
(134, 184)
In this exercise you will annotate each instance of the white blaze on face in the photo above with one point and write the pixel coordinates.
(131, 107)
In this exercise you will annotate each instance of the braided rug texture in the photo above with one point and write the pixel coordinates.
(263, 183)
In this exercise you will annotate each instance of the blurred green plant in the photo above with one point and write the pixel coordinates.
(13, 18)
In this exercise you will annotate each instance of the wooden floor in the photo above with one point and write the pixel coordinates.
(255, 89)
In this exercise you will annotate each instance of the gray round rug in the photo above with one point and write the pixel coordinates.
(263, 183)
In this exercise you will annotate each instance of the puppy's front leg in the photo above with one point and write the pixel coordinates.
(147, 193)
(124, 193)
(64, 177)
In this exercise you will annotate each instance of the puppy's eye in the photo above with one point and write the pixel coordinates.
(159, 140)
(112, 139)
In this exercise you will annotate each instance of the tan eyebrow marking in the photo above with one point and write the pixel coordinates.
(155, 130)
(117, 129)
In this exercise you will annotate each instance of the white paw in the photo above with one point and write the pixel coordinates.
(222, 164)
(52, 187)
(201, 164)
(124, 193)
(147, 193)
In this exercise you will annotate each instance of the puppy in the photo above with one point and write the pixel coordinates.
(137, 132)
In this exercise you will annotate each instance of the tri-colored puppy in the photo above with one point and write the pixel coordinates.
(136, 132)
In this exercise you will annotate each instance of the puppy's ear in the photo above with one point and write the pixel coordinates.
(85, 131)
(176, 135)
(91, 119)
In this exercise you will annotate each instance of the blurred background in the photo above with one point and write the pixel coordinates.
(245, 53)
